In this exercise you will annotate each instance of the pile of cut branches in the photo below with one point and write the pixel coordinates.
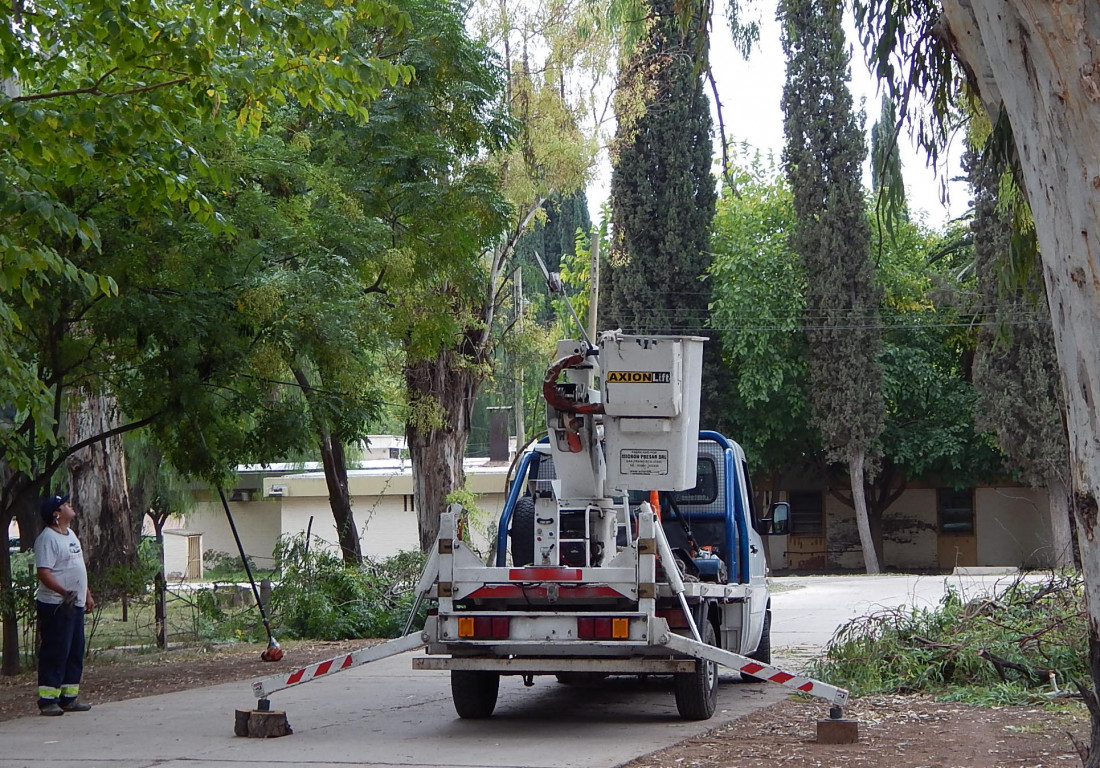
(1024, 643)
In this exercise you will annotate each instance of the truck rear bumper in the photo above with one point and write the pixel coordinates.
(542, 666)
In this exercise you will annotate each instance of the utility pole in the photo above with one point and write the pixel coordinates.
(521, 428)
(594, 286)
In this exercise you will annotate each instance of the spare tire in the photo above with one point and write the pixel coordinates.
(522, 532)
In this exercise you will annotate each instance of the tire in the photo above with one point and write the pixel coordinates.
(697, 692)
(474, 693)
(763, 652)
(522, 532)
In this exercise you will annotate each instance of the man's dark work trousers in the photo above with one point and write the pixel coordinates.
(61, 657)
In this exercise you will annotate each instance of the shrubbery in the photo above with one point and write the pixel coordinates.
(318, 596)
(996, 650)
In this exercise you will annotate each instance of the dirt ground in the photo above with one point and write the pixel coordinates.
(895, 731)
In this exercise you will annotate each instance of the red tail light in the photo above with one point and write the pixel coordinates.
(603, 628)
(484, 627)
(586, 629)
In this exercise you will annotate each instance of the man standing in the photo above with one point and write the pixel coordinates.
(62, 598)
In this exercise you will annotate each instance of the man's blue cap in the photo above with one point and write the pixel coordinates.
(50, 505)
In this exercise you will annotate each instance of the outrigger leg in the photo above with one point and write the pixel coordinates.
(688, 647)
(264, 687)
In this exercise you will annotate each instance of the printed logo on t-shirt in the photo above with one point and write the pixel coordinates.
(74, 547)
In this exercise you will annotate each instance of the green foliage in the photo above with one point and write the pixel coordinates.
(662, 189)
(81, 118)
(17, 599)
(887, 180)
(224, 566)
(131, 581)
(929, 429)
(318, 596)
(1036, 625)
(913, 61)
(759, 292)
(927, 343)
(1015, 368)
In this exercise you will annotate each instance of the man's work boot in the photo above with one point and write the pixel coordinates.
(74, 706)
(53, 709)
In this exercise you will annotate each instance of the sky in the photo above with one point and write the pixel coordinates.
(750, 91)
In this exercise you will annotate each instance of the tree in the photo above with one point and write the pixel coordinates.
(663, 194)
(887, 180)
(159, 492)
(1015, 368)
(453, 319)
(1016, 54)
(80, 117)
(823, 155)
(759, 298)
(760, 290)
(556, 234)
(86, 113)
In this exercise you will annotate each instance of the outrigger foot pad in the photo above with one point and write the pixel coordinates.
(835, 729)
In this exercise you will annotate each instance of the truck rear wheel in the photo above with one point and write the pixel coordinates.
(697, 692)
(474, 693)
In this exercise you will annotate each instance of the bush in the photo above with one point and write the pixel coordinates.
(993, 650)
(320, 597)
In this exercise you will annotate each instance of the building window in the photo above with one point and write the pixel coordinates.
(407, 501)
(956, 510)
(807, 513)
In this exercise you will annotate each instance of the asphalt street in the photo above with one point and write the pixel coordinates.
(385, 714)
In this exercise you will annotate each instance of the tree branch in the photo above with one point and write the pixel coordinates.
(93, 90)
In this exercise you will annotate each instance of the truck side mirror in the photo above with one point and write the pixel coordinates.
(779, 515)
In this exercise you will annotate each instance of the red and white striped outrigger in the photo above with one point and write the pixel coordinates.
(677, 643)
(452, 564)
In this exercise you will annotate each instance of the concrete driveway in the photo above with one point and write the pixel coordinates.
(384, 714)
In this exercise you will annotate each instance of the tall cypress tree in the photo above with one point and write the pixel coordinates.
(823, 157)
(663, 194)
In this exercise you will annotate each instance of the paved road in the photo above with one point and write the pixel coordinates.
(383, 714)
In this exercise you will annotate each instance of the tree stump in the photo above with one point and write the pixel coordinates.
(261, 724)
(837, 731)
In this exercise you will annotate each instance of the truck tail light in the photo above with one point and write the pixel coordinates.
(484, 627)
(603, 628)
(466, 626)
(620, 629)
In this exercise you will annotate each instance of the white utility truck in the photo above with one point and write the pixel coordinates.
(634, 547)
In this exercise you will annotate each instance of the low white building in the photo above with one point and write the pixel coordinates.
(272, 502)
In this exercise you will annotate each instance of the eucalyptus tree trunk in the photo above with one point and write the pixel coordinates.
(441, 394)
(105, 521)
(856, 462)
(1037, 62)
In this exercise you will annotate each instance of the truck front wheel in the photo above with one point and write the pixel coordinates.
(697, 692)
(763, 652)
(474, 693)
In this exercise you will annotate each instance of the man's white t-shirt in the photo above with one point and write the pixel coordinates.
(61, 553)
